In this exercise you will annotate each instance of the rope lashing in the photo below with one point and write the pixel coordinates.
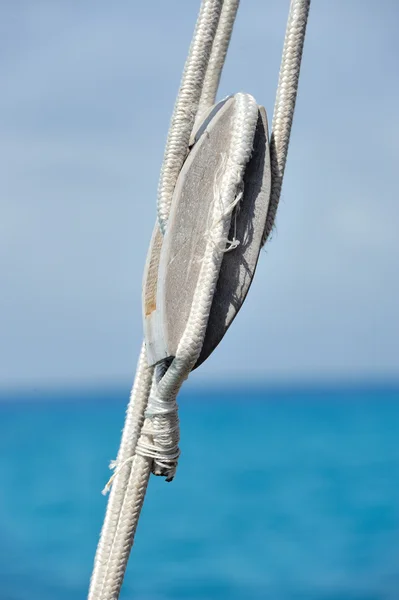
(151, 432)
(163, 430)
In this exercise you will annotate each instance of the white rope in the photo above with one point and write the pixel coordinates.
(218, 55)
(284, 106)
(158, 441)
(154, 444)
(131, 432)
(127, 523)
(175, 154)
(129, 512)
(186, 105)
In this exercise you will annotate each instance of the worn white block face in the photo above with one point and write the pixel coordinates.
(173, 264)
(149, 295)
(238, 266)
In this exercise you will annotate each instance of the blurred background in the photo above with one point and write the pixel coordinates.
(288, 485)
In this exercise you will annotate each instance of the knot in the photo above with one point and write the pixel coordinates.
(158, 406)
(160, 435)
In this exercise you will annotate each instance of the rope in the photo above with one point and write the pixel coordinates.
(175, 154)
(218, 55)
(115, 523)
(187, 105)
(159, 436)
(284, 106)
(129, 512)
(131, 432)
(151, 434)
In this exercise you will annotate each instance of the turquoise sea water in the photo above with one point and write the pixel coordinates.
(286, 495)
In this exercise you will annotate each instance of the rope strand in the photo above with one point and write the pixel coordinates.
(186, 105)
(150, 439)
(218, 55)
(284, 106)
(131, 433)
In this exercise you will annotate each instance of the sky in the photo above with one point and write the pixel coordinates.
(87, 93)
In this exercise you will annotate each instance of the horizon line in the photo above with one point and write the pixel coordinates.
(225, 386)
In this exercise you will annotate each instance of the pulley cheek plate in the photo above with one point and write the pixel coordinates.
(172, 271)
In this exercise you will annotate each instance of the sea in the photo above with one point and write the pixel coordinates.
(287, 493)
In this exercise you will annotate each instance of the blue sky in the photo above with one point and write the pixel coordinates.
(87, 94)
